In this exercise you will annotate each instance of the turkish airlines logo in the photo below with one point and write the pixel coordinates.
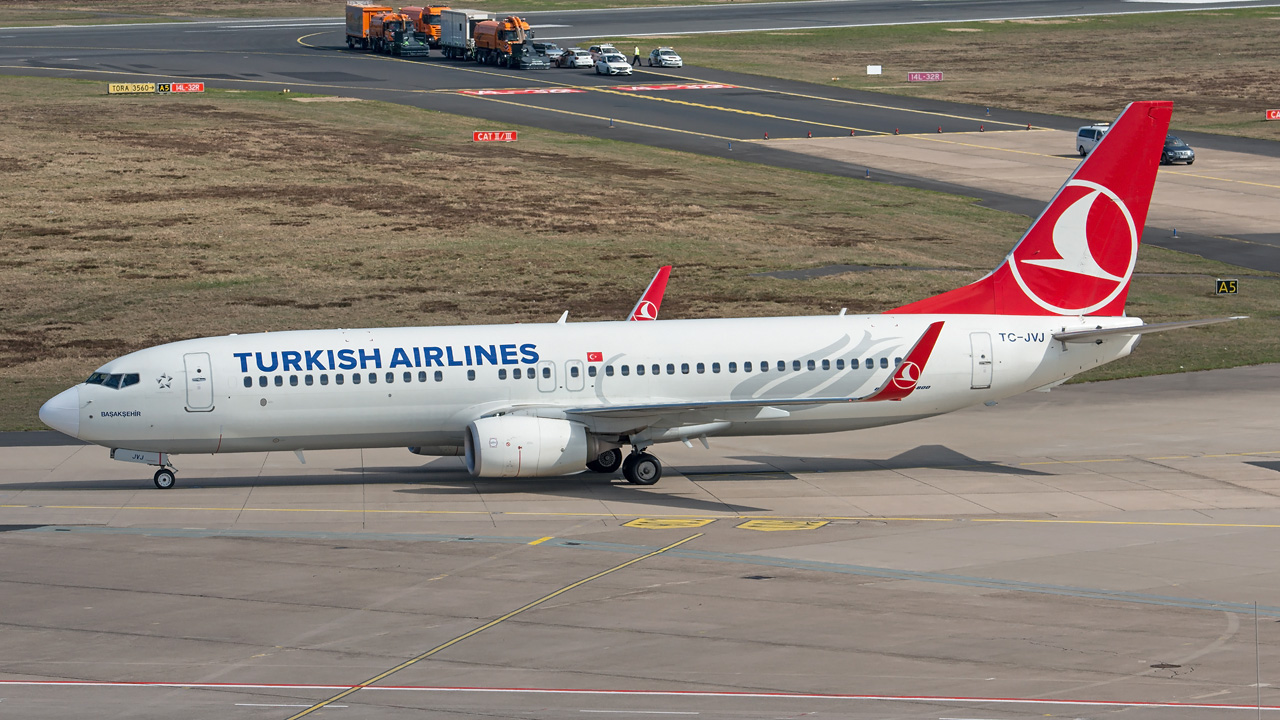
(907, 376)
(645, 311)
(1086, 260)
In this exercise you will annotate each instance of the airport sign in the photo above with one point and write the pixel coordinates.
(1273, 114)
(186, 87)
(924, 77)
(1228, 286)
(493, 136)
(123, 88)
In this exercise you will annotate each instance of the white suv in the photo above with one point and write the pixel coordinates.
(1088, 137)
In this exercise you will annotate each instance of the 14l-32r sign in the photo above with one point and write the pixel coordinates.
(924, 77)
(493, 136)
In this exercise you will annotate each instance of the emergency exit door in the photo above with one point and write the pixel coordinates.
(199, 382)
(546, 376)
(982, 359)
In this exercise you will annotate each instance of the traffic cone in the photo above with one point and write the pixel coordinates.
(851, 133)
(939, 128)
(766, 134)
(810, 134)
(982, 128)
(895, 131)
(1028, 126)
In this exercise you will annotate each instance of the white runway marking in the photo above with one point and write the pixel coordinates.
(643, 712)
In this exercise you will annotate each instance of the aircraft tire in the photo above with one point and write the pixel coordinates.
(165, 478)
(642, 469)
(607, 462)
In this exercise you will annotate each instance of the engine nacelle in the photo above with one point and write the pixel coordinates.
(522, 446)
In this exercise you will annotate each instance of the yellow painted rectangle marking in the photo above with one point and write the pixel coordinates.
(668, 523)
(118, 88)
(539, 541)
(779, 525)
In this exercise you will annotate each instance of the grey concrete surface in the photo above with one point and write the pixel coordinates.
(1050, 549)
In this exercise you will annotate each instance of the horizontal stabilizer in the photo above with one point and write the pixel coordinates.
(1088, 336)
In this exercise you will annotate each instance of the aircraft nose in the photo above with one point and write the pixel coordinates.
(62, 412)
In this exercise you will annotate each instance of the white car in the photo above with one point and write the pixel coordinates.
(665, 57)
(1088, 137)
(613, 64)
(599, 51)
(574, 58)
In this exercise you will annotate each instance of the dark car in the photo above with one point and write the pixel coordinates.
(1176, 151)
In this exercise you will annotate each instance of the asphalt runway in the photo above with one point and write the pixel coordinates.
(1085, 553)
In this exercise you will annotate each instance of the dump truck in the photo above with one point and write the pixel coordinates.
(507, 43)
(392, 33)
(457, 32)
(426, 23)
(358, 16)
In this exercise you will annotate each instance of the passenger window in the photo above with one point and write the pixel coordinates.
(700, 368)
(408, 376)
(573, 371)
(626, 370)
(439, 376)
(471, 374)
(339, 379)
(639, 369)
(795, 365)
(293, 380)
(391, 377)
(422, 376)
(546, 372)
(591, 370)
(897, 362)
(515, 374)
(782, 366)
(502, 373)
(870, 363)
(324, 379)
(733, 367)
(248, 381)
(373, 378)
(279, 381)
(812, 366)
(608, 370)
(684, 368)
(826, 364)
(839, 363)
(262, 381)
(671, 369)
(884, 362)
(715, 367)
(309, 380)
(355, 378)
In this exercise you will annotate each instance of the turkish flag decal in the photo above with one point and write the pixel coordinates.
(595, 357)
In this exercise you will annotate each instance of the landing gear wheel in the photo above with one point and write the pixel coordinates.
(642, 469)
(1082, 151)
(165, 478)
(606, 462)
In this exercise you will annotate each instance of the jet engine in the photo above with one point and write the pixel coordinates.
(522, 446)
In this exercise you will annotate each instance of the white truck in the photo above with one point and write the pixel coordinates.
(457, 32)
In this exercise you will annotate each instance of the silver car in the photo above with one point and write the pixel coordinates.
(665, 57)
(573, 58)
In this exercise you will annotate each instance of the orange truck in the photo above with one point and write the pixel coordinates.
(392, 33)
(359, 14)
(426, 23)
(507, 43)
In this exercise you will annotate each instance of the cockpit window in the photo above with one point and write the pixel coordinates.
(114, 381)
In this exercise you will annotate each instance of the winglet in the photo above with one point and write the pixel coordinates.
(904, 378)
(647, 307)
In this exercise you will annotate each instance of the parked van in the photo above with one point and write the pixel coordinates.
(1088, 137)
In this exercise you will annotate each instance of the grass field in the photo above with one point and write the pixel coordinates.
(1219, 67)
(132, 221)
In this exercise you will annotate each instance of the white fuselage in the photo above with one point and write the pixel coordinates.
(422, 386)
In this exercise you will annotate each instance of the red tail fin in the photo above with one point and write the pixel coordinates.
(651, 301)
(1078, 256)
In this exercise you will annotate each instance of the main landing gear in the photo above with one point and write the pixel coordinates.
(639, 468)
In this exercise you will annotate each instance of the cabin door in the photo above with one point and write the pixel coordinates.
(982, 360)
(199, 382)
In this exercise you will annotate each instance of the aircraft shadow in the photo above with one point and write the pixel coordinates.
(923, 457)
(1266, 464)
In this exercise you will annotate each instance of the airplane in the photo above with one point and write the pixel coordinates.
(647, 306)
(551, 399)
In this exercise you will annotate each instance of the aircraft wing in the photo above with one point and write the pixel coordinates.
(898, 386)
(647, 306)
(1097, 334)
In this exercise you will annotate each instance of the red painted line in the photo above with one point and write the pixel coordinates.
(524, 91)
(641, 693)
(673, 86)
